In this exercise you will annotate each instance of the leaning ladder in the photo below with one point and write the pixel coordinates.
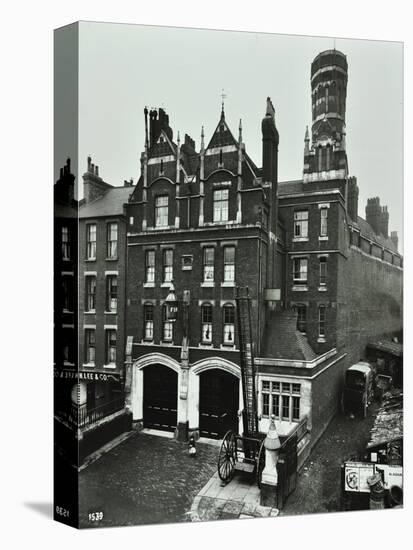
(250, 416)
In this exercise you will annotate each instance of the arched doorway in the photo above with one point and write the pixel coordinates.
(160, 398)
(218, 403)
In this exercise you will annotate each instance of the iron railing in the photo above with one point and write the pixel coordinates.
(80, 416)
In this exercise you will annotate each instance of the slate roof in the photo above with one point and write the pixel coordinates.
(367, 231)
(394, 348)
(110, 204)
(283, 340)
(289, 187)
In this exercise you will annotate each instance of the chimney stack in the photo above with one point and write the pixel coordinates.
(395, 239)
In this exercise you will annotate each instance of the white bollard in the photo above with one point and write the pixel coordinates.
(269, 480)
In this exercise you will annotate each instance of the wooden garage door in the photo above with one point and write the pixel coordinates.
(160, 396)
(218, 403)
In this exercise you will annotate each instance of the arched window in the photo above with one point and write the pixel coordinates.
(229, 325)
(206, 324)
(167, 326)
(301, 318)
(148, 321)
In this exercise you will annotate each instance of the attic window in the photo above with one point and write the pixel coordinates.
(222, 127)
(161, 139)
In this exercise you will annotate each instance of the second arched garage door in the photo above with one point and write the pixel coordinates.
(218, 403)
(160, 398)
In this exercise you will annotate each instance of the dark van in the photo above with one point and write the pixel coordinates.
(358, 388)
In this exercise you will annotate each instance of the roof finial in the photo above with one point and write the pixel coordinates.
(240, 131)
(202, 139)
(223, 97)
(307, 135)
(178, 139)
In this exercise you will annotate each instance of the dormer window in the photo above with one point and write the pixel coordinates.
(221, 198)
(161, 211)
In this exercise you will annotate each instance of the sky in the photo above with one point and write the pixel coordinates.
(124, 67)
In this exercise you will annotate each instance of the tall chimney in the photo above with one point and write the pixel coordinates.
(395, 239)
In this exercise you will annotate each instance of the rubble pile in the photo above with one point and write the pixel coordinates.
(388, 425)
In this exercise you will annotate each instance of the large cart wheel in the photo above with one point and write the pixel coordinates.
(260, 463)
(227, 457)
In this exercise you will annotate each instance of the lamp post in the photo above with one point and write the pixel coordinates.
(173, 305)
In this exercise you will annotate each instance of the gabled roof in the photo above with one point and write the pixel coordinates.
(222, 135)
(110, 204)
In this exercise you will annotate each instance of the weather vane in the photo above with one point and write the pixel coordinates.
(223, 97)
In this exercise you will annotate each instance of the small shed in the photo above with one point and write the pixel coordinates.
(388, 357)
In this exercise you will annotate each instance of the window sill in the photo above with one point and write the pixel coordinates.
(300, 288)
(322, 289)
(227, 347)
(112, 259)
(68, 364)
(166, 285)
(229, 284)
(148, 285)
(323, 238)
(321, 340)
(300, 239)
(90, 260)
(110, 312)
(90, 311)
(206, 346)
(110, 366)
(147, 342)
(89, 365)
(168, 343)
(186, 268)
(68, 311)
(208, 284)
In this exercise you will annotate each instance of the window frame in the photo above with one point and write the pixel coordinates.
(90, 343)
(167, 325)
(150, 267)
(220, 205)
(110, 242)
(207, 264)
(148, 322)
(322, 319)
(322, 261)
(109, 293)
(229, 266)
(300, 280)
(301, 319)
(206, 323)
(167, 266)
(228, 327)
(110, 346)
(90, 297)
(323, 222)
(301, 222)
(277, 397)
(65, 237)
(161, 211)
(91, 245)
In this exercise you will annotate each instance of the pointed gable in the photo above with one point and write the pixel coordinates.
(222, 136)
(162, 147)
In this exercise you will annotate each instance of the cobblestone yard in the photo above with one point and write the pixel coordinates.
(146, 479)
(319, 482)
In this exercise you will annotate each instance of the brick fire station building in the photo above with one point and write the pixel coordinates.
(323, 280)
